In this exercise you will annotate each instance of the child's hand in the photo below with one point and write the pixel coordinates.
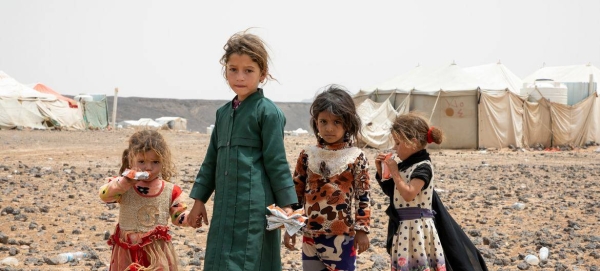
(378, 158)
(288, 210)
(198, 215)
(289, 241)
(361, 241)
(391, 164)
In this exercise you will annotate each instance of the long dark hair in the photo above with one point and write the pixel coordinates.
(337, 101)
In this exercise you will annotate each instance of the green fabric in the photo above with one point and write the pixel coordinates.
(246, 167)
(96, 114)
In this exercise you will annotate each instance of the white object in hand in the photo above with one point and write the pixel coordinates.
(139, 175)
(292, 223)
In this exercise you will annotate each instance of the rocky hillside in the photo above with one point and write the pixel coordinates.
(199, 113)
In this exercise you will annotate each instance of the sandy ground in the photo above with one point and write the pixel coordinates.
(510, 203)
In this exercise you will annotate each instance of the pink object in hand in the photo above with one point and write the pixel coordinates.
(386, 174)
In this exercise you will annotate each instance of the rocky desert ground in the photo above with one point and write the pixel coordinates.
(510, 202)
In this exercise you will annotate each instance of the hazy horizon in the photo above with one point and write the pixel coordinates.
(157, 49)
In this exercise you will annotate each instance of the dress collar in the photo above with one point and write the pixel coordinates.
(335, 146)
(235, 103)
(416, 157)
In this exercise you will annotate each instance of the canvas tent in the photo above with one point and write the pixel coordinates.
(173, 123)
(495, 76)
(145, 123)
(22, 106)
(478, 107)
(446, 95)
(299, 132)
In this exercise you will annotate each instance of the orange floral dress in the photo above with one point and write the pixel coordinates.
(328, 182)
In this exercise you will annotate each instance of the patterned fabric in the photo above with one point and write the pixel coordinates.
(142, 213)
(416, 245)
(141, 237)
(327, 182)
(328, 252)
(113, 190)
(235, 103)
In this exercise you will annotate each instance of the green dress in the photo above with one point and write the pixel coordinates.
(246, 167)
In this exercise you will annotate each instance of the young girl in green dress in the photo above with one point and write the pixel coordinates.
(245, 166)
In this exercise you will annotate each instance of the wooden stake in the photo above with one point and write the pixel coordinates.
(114, 114)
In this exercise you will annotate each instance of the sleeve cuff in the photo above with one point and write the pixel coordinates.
(286, 196)
(361, 228)
(200, 192)
(296, 206)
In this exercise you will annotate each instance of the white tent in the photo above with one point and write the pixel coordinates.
(479, 107)
(495, 76)
(452, 98)
(447, 95)
(12, 89)
(173, 123)
(299, 132)
(24, 106)
(145, 123)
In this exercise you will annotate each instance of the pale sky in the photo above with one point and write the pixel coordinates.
(171, 49)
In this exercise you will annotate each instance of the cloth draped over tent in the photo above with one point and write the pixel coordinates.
(377, 119)
(537, 124)
(571, 125)
(500, 119)
(45, 89)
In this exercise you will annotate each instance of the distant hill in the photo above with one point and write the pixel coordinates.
(199, 113)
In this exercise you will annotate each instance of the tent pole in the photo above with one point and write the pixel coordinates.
(434, 105)
(591, 85)
(114, 114)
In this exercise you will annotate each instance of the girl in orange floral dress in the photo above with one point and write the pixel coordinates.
(329, 178)
(141, 240)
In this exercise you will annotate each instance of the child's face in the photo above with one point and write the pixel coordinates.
(243, 75)
(149, 162)
(330, 127)
(403, 149)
